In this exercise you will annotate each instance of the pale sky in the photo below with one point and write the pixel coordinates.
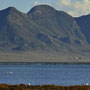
(72, 7)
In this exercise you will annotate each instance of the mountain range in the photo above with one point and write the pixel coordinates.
(43, 28)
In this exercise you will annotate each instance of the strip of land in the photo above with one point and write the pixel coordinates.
(39, 56)
(43, 87)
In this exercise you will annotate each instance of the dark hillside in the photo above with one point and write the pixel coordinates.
(42, 28)
(84, 23)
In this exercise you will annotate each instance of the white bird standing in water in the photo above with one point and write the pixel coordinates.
(29, 84)
(86, 83)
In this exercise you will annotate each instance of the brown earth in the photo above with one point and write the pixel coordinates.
(43, 87)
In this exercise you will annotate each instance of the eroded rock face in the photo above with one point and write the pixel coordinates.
(42, 28)
(84, 23)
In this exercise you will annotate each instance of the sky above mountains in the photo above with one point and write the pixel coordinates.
(73, 7)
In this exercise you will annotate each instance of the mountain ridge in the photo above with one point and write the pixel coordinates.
(40, 30)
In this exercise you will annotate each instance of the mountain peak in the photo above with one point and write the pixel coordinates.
(9, 10)
(42, 8)
(41, 11)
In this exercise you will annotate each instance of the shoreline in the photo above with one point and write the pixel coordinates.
(44, 63)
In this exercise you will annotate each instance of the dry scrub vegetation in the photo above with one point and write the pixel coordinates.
(43, 87)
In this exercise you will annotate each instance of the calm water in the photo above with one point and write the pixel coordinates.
(45, 74)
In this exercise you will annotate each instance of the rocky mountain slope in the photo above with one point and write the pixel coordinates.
(84, 23)
(42, 28)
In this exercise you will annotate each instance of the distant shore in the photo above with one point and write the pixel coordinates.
(43, 63)
(43, 87)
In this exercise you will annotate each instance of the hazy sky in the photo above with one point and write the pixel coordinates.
(73, 7)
